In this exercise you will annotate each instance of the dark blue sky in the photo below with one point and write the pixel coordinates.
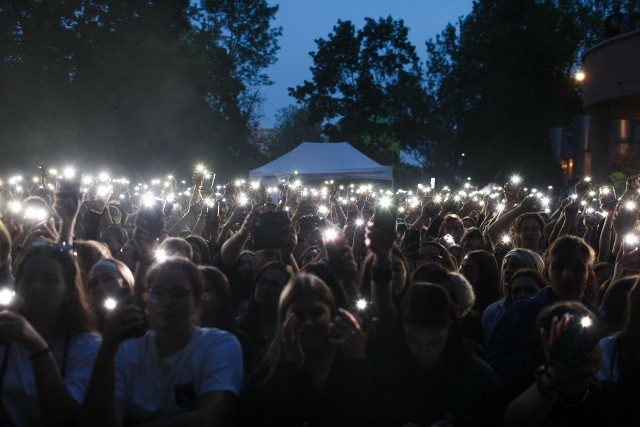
(303, 21)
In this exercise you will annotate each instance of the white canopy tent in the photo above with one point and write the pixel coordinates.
(317, 160)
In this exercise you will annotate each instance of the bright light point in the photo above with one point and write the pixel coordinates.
(330, 234)
(103, 190)
(6, 296)
(35, 179)
(500, 207)
(243, 199)
(586, 322)
(359, 222)
(103, 177)
(579, 76)
(323, 210)
(15, 207)
(255, 185)
(505, 239)
(592, 193)
(516, 179)
(401, 209)
(287, 208)
(385, 202)
(631, 239)
(583, 203)
(161, 255)
(630, 206)
(587, 179)
(110, 304)
(574, 196)
(200, 168)
(69, 173)
(361, 304)
(36, 214)
(297, 183)
(148, 200)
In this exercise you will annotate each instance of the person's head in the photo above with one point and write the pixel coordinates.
(431, 329)
(48, 282)
(481, 270)
(472, 240)
(176, 247)
(308, 255)
(245, 262)
(569, 267)
(216, 310)
(175, 294)
(452, 224)
(431, 251)
(525, 283)
(401, 274)
(577, 348)
(528, 229)
(268, 283)
(515, 260)
(88, 252)
(106, 277)
(114, 236)
(307, 301)
(199, 249)
(322, 271)
(265, 256)
(460, 292)
(469, 222)
(614, 303)
(116, 214)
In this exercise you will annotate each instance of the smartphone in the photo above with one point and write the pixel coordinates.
(608, 194)
(307, 222)
(124, 296)
(411, 244)
(268, 231)
(384, 219)
(153, 214)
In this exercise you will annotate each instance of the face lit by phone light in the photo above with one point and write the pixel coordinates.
(6, 297)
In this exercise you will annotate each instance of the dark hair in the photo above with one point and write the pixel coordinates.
(525, 272)
(201, 243)
(445, 257)
(250, 321)
(429, 305)
(568, 245)
(177, 244)
(472, 233)
(322, 271)
(171, 264)
(117, 231)
(88, 252)
(364, 284)
(216, 283)
(487, 289)
(76, 317)
(430, 272)
(300, 284)
(517, 223)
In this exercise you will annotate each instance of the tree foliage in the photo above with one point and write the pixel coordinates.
(366, 87)
(150, 83)
(291, 129)
(501, 79)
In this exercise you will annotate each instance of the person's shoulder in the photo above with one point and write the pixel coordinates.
(215, 336)
(86, 339)
(134, 347)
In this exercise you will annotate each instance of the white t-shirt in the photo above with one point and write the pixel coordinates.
(19, 392)
(155, 388)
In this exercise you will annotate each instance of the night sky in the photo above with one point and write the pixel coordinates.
(303, 21)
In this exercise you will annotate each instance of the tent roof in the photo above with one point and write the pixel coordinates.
(325, 160)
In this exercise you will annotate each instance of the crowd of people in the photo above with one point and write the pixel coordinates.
(317, 303)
